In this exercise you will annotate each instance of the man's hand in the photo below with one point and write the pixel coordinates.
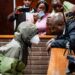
(48, 44)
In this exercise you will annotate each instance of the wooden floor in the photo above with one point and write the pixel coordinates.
(57, 62)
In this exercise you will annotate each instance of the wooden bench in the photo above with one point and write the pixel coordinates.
(57, 63)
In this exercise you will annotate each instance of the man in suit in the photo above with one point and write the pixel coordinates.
(69, 18)
(67, 39)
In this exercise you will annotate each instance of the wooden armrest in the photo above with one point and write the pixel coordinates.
(6, 36)
(41, 36)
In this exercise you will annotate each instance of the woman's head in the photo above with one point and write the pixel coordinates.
(42, 6)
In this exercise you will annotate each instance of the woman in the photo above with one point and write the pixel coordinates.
(40, 16)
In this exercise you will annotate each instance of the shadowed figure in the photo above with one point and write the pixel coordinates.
(13, 56)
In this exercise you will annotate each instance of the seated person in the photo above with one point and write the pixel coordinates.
(19, 13)
(41, 16)
(68, 16)
(67, 39)
(57, 7)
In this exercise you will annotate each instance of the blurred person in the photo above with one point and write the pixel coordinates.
(14, 55)
(58, 7)
(20, 12)
(40, 16)
(67, 39)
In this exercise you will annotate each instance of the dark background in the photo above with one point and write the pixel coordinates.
(6, 7)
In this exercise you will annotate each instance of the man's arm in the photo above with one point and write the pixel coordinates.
(12, 16)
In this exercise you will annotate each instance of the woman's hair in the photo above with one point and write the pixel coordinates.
(45, 3)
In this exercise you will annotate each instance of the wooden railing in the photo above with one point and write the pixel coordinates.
(6, 36)
(41, 36)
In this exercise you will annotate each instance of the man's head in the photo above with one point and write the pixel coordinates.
(55, 23)
(57, 5)
(27, 3)
(27, 31)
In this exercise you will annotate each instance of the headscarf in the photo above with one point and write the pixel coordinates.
(25, 31)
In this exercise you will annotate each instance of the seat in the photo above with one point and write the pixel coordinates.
(58, 62)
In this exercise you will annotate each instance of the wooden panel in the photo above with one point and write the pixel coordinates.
(73, 1)
(5, 8)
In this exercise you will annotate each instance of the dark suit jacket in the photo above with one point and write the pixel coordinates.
(19, 18)
(69, 33)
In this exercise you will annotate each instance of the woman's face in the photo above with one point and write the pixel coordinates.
(41, 7)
